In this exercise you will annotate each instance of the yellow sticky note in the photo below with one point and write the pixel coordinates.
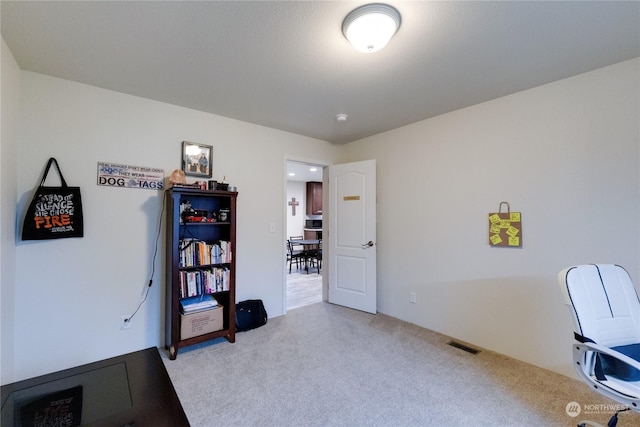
(512, 231)
(505, 223)
(514, 216)
(494, 229)
(495, 218)
(495, 239)
(514, 241)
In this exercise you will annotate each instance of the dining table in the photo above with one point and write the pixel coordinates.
(308, 245)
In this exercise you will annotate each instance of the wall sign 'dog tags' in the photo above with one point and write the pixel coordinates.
(125, 176)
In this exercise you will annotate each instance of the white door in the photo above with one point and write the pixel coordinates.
(352, 235)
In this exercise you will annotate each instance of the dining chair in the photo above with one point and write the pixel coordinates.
(299, 247)
(297, 255)
(316, 256)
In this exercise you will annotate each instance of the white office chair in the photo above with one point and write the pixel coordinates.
(606, 314)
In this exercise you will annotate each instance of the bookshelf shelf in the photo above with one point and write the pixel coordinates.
(208, 224)
(200, 267)
(193, 266)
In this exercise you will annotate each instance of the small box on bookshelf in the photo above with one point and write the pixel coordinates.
(200, 323)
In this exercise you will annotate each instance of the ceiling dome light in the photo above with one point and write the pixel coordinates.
(370, 27)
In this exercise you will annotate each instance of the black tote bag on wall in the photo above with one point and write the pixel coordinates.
(54, 212)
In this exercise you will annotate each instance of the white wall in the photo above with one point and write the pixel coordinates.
(564, 154)
(71, 293)
(295, 223)
(9, 130)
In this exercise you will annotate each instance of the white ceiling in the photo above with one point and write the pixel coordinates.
(286, 64)
(303, 172)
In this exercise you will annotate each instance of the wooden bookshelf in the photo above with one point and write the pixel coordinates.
(209, 228)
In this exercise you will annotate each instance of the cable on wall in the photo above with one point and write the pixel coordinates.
(153, 262)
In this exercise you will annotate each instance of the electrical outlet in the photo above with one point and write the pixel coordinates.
(125, 323)
(412, 297)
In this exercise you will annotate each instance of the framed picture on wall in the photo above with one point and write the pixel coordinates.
(197, 159)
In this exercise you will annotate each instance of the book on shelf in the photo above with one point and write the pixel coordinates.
(204, 281)
(181, 185)
(198, 303)
(195, 252)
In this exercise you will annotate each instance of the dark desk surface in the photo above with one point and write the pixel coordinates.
(129, 390)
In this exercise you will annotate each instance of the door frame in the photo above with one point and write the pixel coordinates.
(283, 237)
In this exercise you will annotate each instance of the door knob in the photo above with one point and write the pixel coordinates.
(367, 245)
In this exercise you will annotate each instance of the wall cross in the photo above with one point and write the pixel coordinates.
(293, 203)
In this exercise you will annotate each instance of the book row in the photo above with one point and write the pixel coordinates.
(206, 281)
(195, 252)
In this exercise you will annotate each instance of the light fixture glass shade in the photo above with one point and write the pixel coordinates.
(370, 27)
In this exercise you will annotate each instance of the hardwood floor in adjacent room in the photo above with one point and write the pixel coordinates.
(303, 289)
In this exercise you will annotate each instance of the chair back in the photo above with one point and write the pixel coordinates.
(603, 303)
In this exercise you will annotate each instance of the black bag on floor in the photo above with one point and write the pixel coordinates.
(250, 314)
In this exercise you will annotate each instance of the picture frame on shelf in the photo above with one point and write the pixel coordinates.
(197, 159)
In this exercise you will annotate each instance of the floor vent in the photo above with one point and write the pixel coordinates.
(463, 347)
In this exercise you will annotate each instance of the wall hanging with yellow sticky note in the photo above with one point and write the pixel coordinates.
(505, 228)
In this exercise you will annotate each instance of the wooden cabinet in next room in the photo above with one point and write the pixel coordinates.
(314, 198)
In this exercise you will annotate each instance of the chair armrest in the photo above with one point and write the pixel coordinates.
(620, 391)
(610, 352)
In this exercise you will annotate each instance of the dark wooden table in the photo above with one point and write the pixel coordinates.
(129, 390)
(309, 246)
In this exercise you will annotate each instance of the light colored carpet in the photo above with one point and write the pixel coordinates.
(326, 365)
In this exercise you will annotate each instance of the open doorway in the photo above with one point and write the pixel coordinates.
(303, 221)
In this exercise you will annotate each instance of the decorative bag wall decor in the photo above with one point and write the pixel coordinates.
(54, 212)
(505, 228)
